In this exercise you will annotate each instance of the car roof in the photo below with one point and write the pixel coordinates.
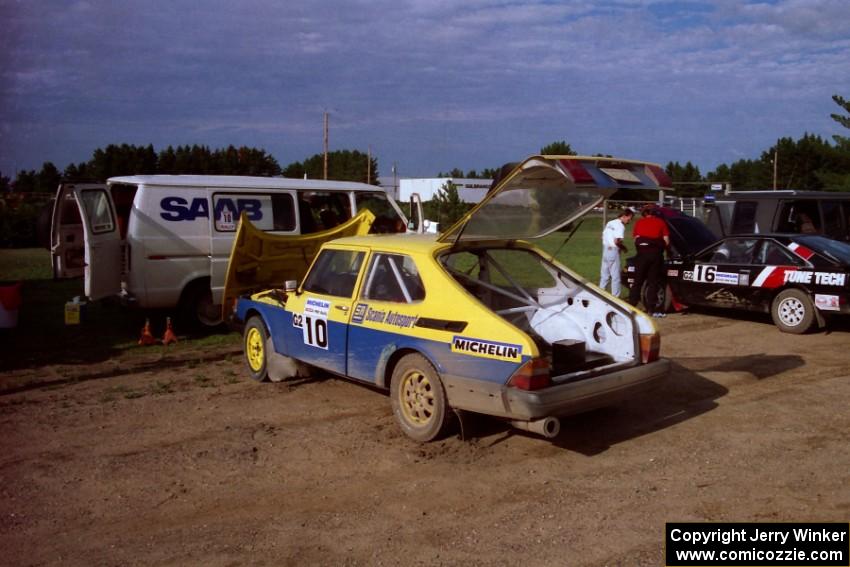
(242, 182)
(413, 243)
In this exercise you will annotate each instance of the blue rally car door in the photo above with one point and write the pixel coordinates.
(385, 314)
(322, 311)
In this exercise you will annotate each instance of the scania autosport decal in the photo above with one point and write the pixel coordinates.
(487, 349)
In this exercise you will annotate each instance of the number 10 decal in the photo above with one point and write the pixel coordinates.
(315, 331)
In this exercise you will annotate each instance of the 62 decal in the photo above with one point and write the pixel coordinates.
(315, 331)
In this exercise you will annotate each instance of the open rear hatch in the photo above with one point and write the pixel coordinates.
(260, 260)
(580, 330)
(545, 193)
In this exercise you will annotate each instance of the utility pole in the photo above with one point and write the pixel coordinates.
(326, 146)
(775, 166)
(369, 165)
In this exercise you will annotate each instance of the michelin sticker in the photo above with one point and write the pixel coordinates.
(487, 349)
(827, 302)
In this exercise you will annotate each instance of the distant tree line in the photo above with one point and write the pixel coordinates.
(125, 159)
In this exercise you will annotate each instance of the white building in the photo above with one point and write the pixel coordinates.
(469, 190)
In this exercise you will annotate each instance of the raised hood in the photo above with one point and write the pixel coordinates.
(545, 193)
(260, 260)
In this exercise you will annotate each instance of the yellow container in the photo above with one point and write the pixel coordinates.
(72, 313)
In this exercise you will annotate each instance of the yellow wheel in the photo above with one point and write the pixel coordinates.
(418, 398)
(254, 346)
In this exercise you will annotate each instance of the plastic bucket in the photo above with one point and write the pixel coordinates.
(10, 302)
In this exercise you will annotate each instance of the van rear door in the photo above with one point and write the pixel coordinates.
(91, 235)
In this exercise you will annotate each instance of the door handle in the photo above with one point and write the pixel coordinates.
(342, 307)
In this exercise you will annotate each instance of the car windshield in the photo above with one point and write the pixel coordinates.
(833, 249)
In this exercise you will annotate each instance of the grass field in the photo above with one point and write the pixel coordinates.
(108, 329)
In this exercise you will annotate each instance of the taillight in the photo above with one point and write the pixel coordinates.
(650, 347)
(577, 171)
(533, 375)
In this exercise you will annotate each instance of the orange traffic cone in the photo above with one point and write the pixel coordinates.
(147, 338)
(169, 336)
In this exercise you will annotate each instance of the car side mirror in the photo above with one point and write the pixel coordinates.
(290, 286)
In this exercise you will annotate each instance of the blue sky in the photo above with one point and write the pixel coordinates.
(427, 84)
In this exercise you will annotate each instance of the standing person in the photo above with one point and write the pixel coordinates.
(651, 239)
(612, 245)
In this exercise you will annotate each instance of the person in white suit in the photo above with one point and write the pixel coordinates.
(612, 246)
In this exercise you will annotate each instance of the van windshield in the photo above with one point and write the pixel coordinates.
(387, 217)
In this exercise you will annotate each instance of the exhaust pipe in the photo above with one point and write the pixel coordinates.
(548, 427)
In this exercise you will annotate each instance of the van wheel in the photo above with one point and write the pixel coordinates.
(197, 307)
(418, 399)
(254, 347)
(793, 312)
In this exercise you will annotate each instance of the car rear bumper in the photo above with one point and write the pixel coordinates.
(585, 395)
(556, 401)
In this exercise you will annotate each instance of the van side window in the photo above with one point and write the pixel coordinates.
(283, 211)
(744, 218)
(322, 210)
(801, 217)
(386, 217)
(265, 211)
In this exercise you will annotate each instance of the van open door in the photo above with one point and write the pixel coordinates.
(85, 239)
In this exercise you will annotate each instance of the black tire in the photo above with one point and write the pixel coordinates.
(664, 302)
(254, 339)
(793, 312)
(419, 399)
(197, 308)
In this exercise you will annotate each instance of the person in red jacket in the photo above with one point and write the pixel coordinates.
(651, 240)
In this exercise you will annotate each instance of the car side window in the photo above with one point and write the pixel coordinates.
(774, 254)
(335, 273)
(393, 277)
(733, 251)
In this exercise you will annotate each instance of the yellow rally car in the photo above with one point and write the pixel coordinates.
(475, 319)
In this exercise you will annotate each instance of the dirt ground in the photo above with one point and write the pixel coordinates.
(178, 458)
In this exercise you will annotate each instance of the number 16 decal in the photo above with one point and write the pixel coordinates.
(315, 331)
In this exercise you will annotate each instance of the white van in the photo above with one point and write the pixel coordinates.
(163, 241)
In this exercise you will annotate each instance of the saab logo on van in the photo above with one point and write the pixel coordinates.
(179, 209)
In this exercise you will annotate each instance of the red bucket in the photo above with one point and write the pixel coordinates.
(10, 301)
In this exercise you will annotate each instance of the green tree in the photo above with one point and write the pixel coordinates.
(843, 120)
(561, 148)
(445, 206)
(343, 165)
(686, 176)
